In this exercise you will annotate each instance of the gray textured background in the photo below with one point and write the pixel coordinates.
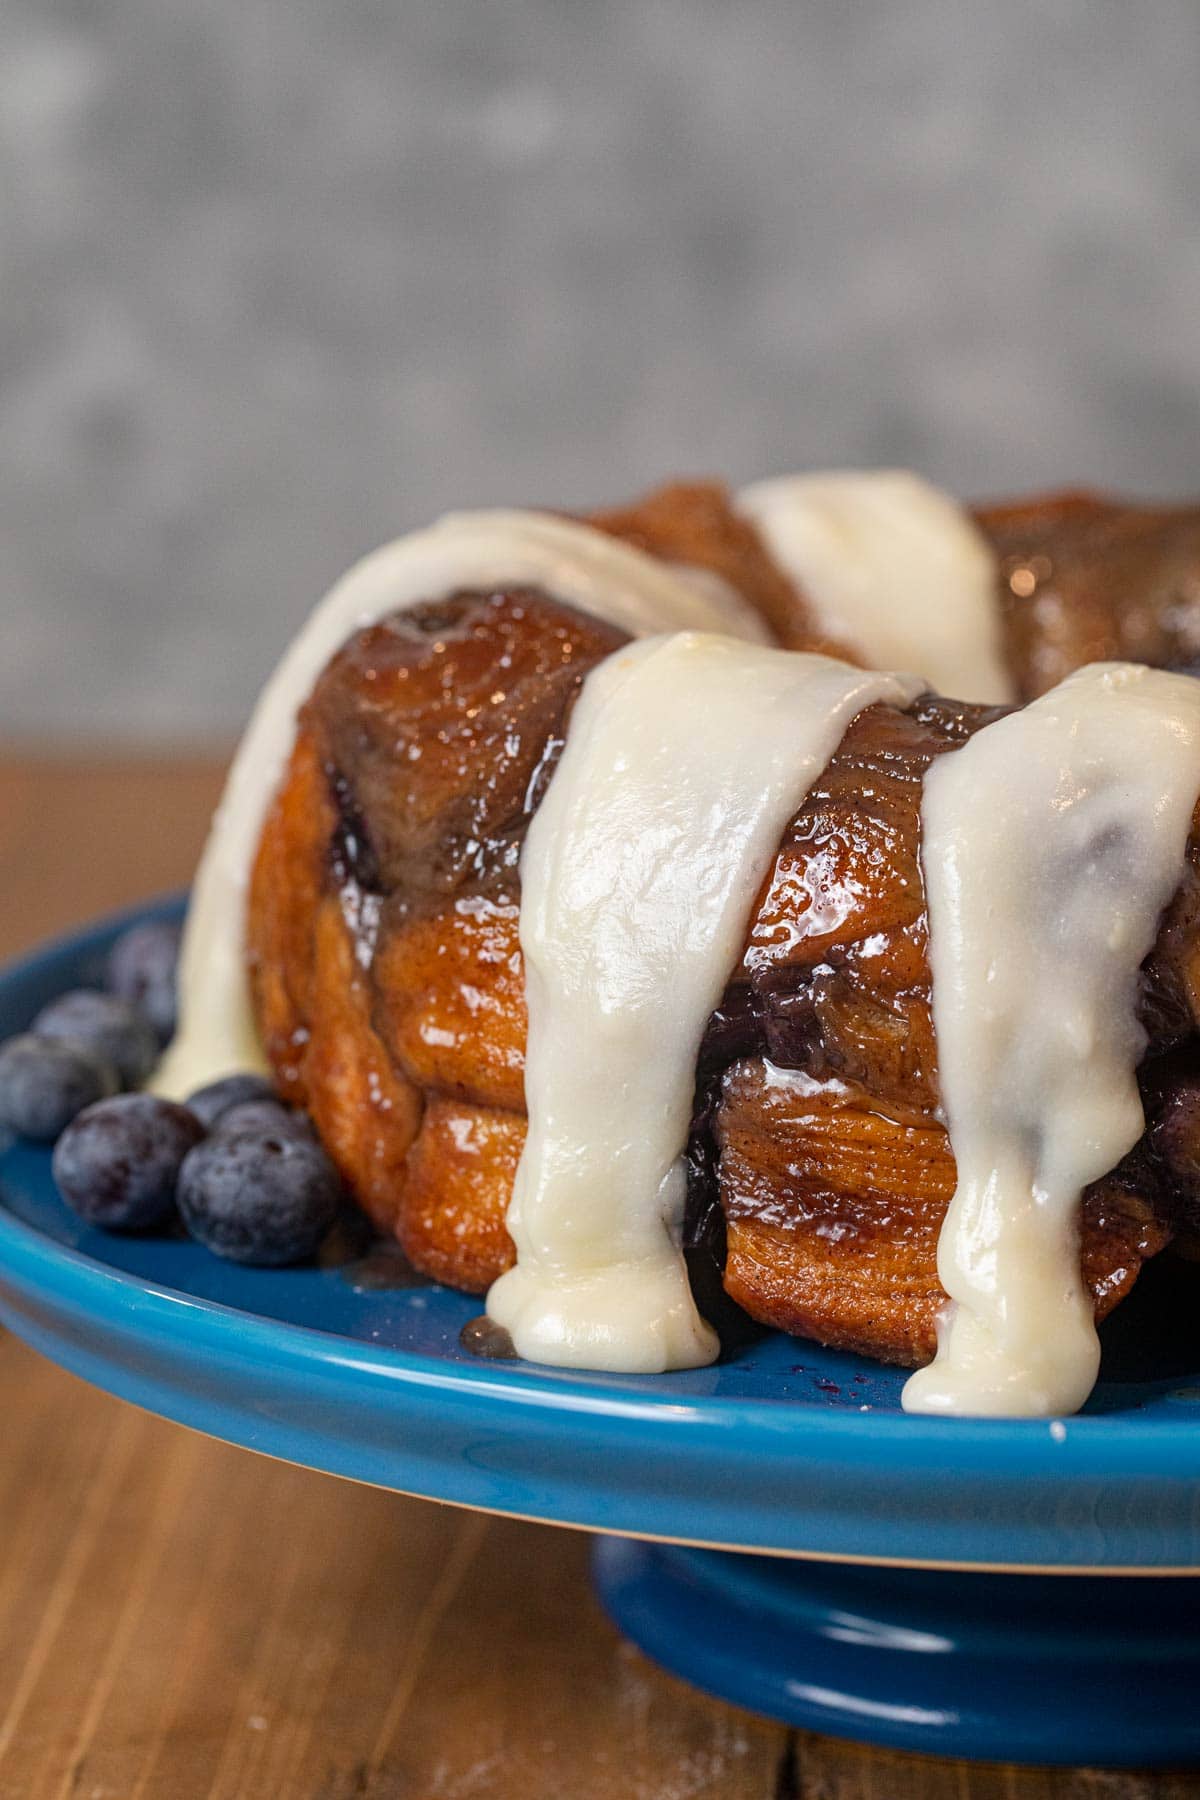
(282, 277)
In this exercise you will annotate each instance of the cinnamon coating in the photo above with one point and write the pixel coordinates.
(387, 978)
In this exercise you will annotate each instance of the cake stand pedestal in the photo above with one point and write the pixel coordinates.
(1012, 1668)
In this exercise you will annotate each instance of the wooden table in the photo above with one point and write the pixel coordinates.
(181, 1619)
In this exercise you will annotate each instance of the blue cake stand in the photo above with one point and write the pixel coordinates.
(775, 1529)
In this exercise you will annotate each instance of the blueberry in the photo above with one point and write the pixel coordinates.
(117, 1164)
(141, 971)
(208, 1103)
(107, 1027)
(267, 1200)
(44, 1082)
(264, 1118)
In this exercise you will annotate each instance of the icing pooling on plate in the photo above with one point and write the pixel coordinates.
(1051, 843)
(894, 569)
(576, 564)
(685, 759)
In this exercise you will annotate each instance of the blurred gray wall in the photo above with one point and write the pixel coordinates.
(279, 278)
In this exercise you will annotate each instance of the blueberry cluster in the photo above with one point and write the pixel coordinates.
(244, 1172)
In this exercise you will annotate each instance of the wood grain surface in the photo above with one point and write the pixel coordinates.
(180, 1620)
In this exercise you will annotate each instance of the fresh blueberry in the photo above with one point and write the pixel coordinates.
(264, 1118)
(267, 1200)
(208, 1103)
(107, 1027)
(44, 1082)
(117, 1164)
(141, 971)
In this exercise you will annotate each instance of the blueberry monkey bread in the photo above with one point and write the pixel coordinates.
(386, 966)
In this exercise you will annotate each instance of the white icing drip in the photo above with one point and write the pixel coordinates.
(894, 569)
(1052, 841)
(573, 563)
(685, 759)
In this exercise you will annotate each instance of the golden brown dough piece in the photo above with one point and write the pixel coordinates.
(387, 975)
(1087, 579)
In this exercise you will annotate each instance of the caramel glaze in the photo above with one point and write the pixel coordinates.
(1087, 579)
(388, 986)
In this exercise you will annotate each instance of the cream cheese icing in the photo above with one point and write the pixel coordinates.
(576, 564)
(894, 569)
(686, 757)
(1052, 841)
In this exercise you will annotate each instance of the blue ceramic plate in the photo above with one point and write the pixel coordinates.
(781, 1447)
